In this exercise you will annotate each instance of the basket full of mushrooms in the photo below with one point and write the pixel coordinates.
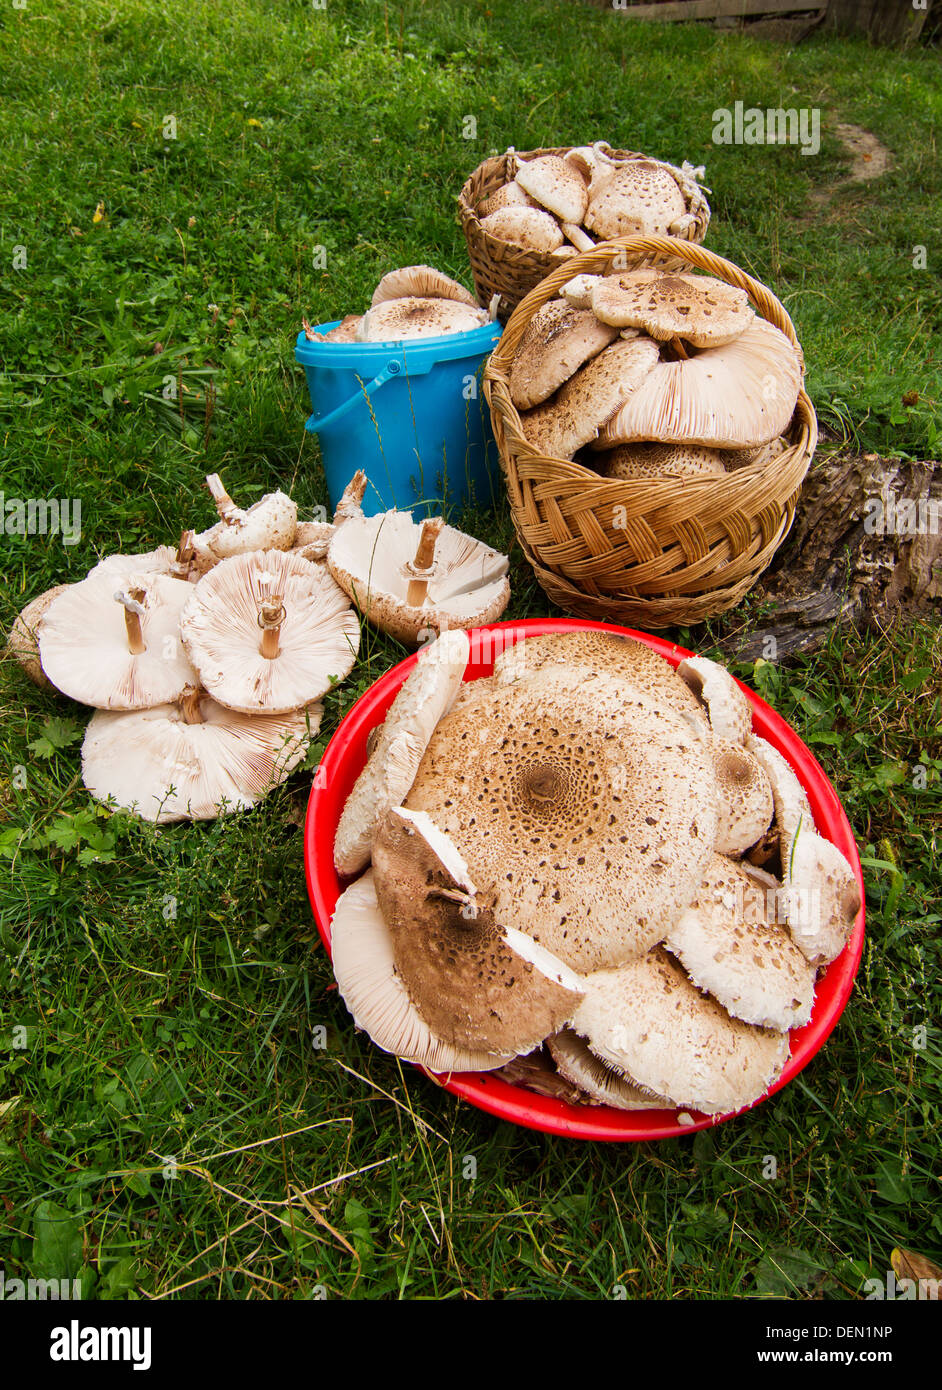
(653, 431)
(525, 213)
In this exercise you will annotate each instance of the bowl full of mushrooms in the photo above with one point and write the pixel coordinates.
(543, 856)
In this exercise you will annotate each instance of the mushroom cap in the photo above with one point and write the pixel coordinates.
(699, 308)
(423, 282)
(822, 896)
(581, 808)
(555, 343)
(426, 695)
(557, 185)
(156, 764)
(269, 524)
(731, 944)
(362, 957)
(119, 567)
(792, 807)
(346, 331)
(530, 228)
(579, 1065)
(23, 642)
(756, 457)
(477, 982)
(509, 195)
(312, 539)
(727, 703)
(318, 639)
(638, 198)
(83, 643)
(469, 584)
(647, 1020)
(578, 290)
(590, 397)
(657, 460)
(395, 320)
(745, 806)
(729, 397)
(639, 669)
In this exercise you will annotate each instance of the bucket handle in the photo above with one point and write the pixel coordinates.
(392, 368)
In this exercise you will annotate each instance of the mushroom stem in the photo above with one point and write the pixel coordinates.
(349, 504)
(677, 345)
(424, 558)
(271, 615)
(186, 553)
(133, 611)
(190, 705)
(225, 506)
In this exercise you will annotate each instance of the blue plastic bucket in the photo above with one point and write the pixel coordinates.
(411, 414)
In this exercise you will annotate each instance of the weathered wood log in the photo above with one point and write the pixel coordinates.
(865, 547)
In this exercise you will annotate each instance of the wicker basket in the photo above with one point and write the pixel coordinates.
(650, 552)
(512, 271)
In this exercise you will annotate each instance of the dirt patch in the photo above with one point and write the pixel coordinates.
(869, 158)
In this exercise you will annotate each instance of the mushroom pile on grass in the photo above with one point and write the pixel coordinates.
(414, 302)
(562, 204)
(588, 871)
(205, 662)
(647, 373)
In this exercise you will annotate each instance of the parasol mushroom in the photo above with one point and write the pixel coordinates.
(193, 759)
(118, 650)
(453, 579)
(269, 631)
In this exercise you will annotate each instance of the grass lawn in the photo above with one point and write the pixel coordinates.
(167, 1128)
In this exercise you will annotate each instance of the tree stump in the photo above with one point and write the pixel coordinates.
(866, 546)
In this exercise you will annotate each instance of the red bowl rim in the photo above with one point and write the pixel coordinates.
(488, 1092)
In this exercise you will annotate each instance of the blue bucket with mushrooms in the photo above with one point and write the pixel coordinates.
(411, 414)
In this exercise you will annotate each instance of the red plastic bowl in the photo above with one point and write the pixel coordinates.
(344, 760)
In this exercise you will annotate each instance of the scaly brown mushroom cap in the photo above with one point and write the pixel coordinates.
(555, 344)
(731, 944)
(648, 1021)
(745, 797)
(698, 308)
(657, 460)
(582, 808)
(638, 198)
(557, 185)
(530, 228)
(478, 982)
(23, 642)
(640, 669)
(362, 957)
(583, 405)
(395, 320)
(422, 282)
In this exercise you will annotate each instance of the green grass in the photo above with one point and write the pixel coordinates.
(162, 1105)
